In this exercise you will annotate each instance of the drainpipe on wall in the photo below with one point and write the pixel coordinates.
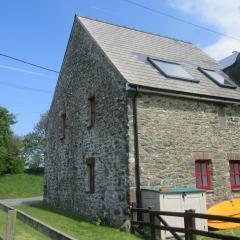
(136, 151)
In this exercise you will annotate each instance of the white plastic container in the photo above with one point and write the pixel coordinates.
(175, 200)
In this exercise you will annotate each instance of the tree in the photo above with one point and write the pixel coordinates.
(10, 158)
(34, 144)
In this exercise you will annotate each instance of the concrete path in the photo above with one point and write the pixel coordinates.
(22, 201)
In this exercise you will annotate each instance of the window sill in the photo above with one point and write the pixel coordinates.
(235, 190)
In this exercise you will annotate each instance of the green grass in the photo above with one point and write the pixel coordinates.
(232, 232)
(75, 227)
(21, 186)
(23, 231)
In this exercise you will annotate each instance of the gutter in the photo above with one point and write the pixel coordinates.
(136, 151)
(179, 94)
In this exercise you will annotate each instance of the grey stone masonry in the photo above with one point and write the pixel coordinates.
(174, 132)
(90, 166)
(86, 71)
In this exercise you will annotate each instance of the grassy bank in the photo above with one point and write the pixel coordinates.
(23, 231)
(21, 186)
(74, 226)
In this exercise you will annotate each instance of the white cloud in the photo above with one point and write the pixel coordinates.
(222, 48)
(23, 71)
(224, 15)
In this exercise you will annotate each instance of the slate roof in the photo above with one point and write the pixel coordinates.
(128, 50)
(230, 60)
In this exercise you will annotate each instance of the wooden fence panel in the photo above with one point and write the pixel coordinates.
(189, 223)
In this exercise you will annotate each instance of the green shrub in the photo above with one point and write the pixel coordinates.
(10, 157)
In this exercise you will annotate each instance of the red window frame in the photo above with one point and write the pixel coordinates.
(234, 169)
(91, 110)
(91, 177)
(203, 171)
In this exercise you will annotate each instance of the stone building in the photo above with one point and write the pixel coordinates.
(136, 109)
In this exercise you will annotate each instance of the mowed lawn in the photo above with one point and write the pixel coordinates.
(23, 231)
(75, 227)
(21, 186)
(231, 232)
(29, 185)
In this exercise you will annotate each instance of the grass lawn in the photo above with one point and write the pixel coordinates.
(23, 231)
(232, 232)
(78, 228)
(21, 186)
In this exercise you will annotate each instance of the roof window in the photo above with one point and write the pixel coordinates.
(171, 70)
(218, 78)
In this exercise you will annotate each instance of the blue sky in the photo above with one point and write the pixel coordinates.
(38, 31)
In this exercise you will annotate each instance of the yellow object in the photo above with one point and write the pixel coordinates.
(230, 208)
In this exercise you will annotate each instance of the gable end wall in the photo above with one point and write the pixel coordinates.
(85, 71)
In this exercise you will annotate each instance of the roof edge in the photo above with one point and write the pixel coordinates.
(103, 52)
(135, 29)
(233, 64)
(181, 94)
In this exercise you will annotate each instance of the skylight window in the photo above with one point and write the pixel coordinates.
(216, 77)
(171, 70)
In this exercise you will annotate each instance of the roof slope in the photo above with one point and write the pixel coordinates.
(230, 60)
(128, 50)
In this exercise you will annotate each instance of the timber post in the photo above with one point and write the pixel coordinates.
(11, 225)
(152, 224)
(192, 225)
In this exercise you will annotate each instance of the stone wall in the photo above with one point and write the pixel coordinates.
(85, 71)
(175, 132)
(172, 132)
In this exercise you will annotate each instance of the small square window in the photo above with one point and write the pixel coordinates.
(218, 78)
(203, 174)
(235, 174)
(171, 70)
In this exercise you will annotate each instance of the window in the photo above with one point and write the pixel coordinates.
(235, 174)
(90, 169)
(172, 70)
(203, 174)
(218, 78)
(91, 110)
(63, 125)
